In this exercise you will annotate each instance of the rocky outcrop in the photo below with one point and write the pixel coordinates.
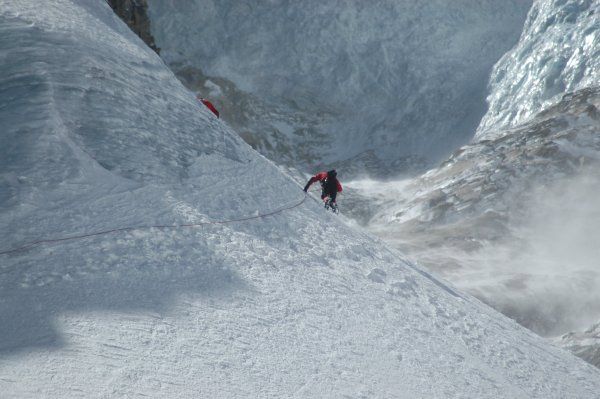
(134, 13)
(585, 344)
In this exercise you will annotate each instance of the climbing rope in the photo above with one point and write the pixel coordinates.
(162, 227)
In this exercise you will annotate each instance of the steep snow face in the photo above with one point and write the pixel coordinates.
(313, 82)
(559, 52)
(270, 297)
(64, 101)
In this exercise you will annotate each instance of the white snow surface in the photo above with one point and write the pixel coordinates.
(393, 79)
(558, 52)
(98, 134)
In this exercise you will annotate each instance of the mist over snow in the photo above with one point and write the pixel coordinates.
(386, 88)
(512, 219)
(267, 296)
(545, 277)
(513, 216)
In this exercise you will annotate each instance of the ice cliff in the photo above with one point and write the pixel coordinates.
(558, 52)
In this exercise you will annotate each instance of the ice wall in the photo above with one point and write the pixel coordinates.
(559, 52)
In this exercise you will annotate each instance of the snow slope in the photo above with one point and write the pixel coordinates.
(98, 135)
(558, 52)
(312, 82)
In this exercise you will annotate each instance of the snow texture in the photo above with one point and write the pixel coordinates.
(99, 134)
(337, 80)
(559, 52)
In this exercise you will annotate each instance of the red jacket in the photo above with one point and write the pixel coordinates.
(209, 105)
(322, 176)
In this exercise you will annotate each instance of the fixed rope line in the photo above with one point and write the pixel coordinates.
(163, 227)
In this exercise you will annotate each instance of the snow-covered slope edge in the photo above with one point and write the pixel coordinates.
(101, 135)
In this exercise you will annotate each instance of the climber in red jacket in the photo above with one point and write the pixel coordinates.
(208, 105)
(330, 186)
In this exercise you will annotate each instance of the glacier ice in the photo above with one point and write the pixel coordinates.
(558, 52)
